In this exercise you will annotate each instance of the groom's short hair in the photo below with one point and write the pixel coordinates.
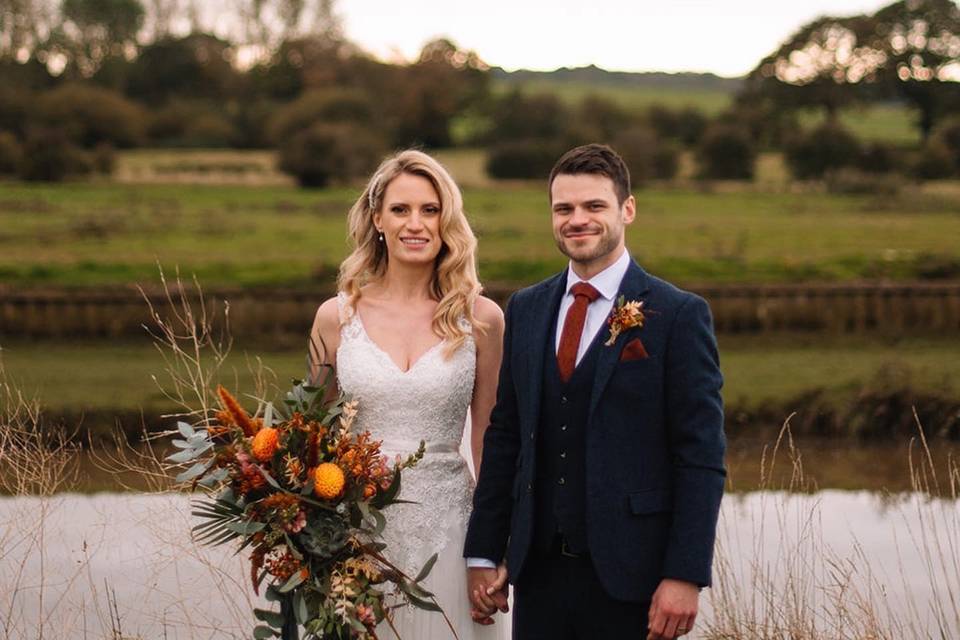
(597, 159)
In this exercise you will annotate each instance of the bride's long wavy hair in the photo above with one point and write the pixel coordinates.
(454, 284)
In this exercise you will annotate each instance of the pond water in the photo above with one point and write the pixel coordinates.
(123, 565)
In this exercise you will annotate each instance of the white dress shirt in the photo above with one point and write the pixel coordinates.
(607, 282)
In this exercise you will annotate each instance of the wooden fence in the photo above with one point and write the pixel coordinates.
(841, 308)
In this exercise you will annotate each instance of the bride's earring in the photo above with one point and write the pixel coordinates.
(381, 236)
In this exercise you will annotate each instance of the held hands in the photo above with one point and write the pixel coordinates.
(487, 590)
(673, 609)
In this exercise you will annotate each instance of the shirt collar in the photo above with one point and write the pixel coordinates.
(607, 282)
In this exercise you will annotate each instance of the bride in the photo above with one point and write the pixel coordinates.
(411, 338)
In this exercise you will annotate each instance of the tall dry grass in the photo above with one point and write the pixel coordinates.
(806, 589)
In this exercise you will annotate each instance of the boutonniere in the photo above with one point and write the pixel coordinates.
(625, 315)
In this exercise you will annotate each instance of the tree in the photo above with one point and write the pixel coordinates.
(99, 29)
(909, 50)
(196, 66)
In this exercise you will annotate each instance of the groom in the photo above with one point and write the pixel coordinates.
(602, 466)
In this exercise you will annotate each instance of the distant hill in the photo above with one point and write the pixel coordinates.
(593, 75)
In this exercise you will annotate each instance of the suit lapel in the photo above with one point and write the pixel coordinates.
(633, 286)
(543, 309)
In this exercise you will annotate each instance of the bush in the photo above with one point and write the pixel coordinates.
(647, 157)
(933, 162)
(726, 152)
(518, 116)
(103, 159)
(91, 115)
(10, 153)
(948, 134)
(855, 181)
(50, 156)
(326, 153)
(825, 148)
(329, 106)
(191, 124)
(523, 159)
(878, 157)
(686, 125)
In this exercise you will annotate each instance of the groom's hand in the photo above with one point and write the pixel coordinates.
(673, 609)
(487, 589)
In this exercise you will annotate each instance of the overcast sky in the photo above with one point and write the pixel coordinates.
(727, 37)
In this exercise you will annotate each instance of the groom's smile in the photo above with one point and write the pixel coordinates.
(588, 219)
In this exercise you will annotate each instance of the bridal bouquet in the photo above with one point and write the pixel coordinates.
(304, 493)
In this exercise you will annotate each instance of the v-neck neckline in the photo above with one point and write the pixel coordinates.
(386, 355)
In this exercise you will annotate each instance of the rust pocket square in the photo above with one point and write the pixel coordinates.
(633, 351)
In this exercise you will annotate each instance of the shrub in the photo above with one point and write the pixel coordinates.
(92, 115)
(103, 159)
(185, 123)
(686, 125)
(825, 148)
(933, 162)
(327, 106)
(647, 157)
(948, 134)
(726, 152)
(49, 155)
(523, 159)
(326, 153)
(878, 157)
(854, 181)
(10, 153)
(518, 116)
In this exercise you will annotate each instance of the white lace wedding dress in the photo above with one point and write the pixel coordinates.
(428, 402)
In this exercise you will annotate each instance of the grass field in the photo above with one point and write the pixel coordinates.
(92, 234)
(92, 375)
(883, 122)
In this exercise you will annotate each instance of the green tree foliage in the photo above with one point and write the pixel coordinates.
(519, 116)
(934, 161)
(197, 66)
(527, 159)
(948, 134)
(330, 152)
(10, 153)
(95, 30)
(647, 156)
(685, 125)
(814, 153)
(909, 50)
(90, 115)
(49, 156)
(726, 152)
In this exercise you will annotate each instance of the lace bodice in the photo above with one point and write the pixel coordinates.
(428, 402)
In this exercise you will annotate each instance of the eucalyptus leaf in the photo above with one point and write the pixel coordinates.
(181, 444)
(194, 471)
(272, 618)
(272, 595)
(427, 566)
(300, 608)
(245, 528)
(292, 583)
(185, 429)
(262, 633)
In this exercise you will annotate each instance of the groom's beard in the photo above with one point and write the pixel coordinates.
(608, 241)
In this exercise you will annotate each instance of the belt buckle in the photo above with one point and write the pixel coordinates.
(565, 550)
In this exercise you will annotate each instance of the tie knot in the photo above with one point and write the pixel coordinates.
(586, 290)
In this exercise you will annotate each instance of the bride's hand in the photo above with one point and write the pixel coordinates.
(487, 590)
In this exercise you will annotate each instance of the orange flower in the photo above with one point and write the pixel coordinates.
(265, 444)
(240, 417)
(328, 480)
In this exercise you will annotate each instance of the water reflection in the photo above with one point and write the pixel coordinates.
(65, 561)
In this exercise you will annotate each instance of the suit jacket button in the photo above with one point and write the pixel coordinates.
(529, 487)
(563, 455)
(563, 427)
(561, 481)
(563, 399)
(531, 435)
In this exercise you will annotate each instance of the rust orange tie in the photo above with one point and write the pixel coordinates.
(583, 295)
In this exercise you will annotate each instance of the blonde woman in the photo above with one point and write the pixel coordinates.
(411, 338)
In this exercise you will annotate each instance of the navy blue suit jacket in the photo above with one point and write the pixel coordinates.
(654, 443)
